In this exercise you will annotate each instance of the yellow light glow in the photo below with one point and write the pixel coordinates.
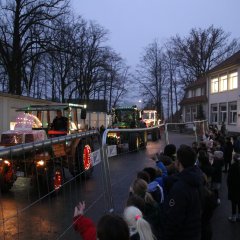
(7, 162)
(40, 163)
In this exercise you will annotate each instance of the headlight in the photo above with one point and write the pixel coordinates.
(7, 162)
(40, 163)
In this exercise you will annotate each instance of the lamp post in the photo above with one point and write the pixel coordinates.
(140, 103)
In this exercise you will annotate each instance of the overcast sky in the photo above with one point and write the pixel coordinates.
(133, 24)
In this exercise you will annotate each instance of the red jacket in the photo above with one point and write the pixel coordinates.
(86, 227)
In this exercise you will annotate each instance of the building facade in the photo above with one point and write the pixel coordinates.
(195, 103)
(224, 94)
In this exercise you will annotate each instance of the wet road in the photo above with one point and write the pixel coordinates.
(51, 218)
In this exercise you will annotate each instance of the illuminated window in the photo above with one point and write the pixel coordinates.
(214, 113)
(214, 85)
(232, 112)
(222, 112)
(223, 83)
(233, 80)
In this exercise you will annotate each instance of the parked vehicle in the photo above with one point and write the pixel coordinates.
(46, 165)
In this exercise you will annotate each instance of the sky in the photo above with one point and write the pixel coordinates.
(134, 24)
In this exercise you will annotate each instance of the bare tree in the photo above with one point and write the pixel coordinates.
(202, 49)
(22, 34)
(151, 75)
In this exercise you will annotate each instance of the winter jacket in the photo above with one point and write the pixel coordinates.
(182, 206)
(217, 174)
(85, 227)
(156, 191)
(236, 145)
(228, 150)
(233, 182)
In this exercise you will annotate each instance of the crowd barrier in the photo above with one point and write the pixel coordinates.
(41, 201)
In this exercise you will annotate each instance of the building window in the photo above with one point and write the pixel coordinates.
(222, 112)
(194, 113)
(232, 106)
(214, 113)
(233, 80)
(202, 91)
(214, 85)
(198, 92)
(223, 83)
(188, 114)
(189, 93)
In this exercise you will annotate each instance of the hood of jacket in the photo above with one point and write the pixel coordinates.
(192, 176)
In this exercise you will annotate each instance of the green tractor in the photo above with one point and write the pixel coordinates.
(127, 118)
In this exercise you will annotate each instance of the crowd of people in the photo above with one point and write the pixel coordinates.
(175, 199)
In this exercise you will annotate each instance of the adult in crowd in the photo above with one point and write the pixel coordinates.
(217, 173)
(182, 207)
(109, 227)
(233, 183)
(139, 228)
(228, 150)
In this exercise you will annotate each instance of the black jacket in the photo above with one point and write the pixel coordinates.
(182, 207)
(233, 182)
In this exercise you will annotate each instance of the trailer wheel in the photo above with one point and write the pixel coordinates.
(134, 142)
(50, 180)
(6, 179)
(155, 134)
(4, 186)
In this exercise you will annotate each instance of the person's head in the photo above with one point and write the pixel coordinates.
(136, 201)
(143, 175)
(112, 227)
(203, 157)
(139, 187)
(170, 150)
(134, 218)
(236, 157)
(59, 113)
(151, 172)
(218, 155)
(186, 157)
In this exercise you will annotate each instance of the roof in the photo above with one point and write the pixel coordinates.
(93, 105)
(199, 82)
(49, 107)
(231, 61)
(195, 100)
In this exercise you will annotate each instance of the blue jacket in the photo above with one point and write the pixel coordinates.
(182, 206)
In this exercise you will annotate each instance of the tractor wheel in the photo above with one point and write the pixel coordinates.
(83, 162)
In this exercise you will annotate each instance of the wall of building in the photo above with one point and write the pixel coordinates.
(225, 97)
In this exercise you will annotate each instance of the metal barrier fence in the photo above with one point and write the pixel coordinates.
(51, 180)
(195, 129)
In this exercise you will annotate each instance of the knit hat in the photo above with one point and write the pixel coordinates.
(218, 154)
